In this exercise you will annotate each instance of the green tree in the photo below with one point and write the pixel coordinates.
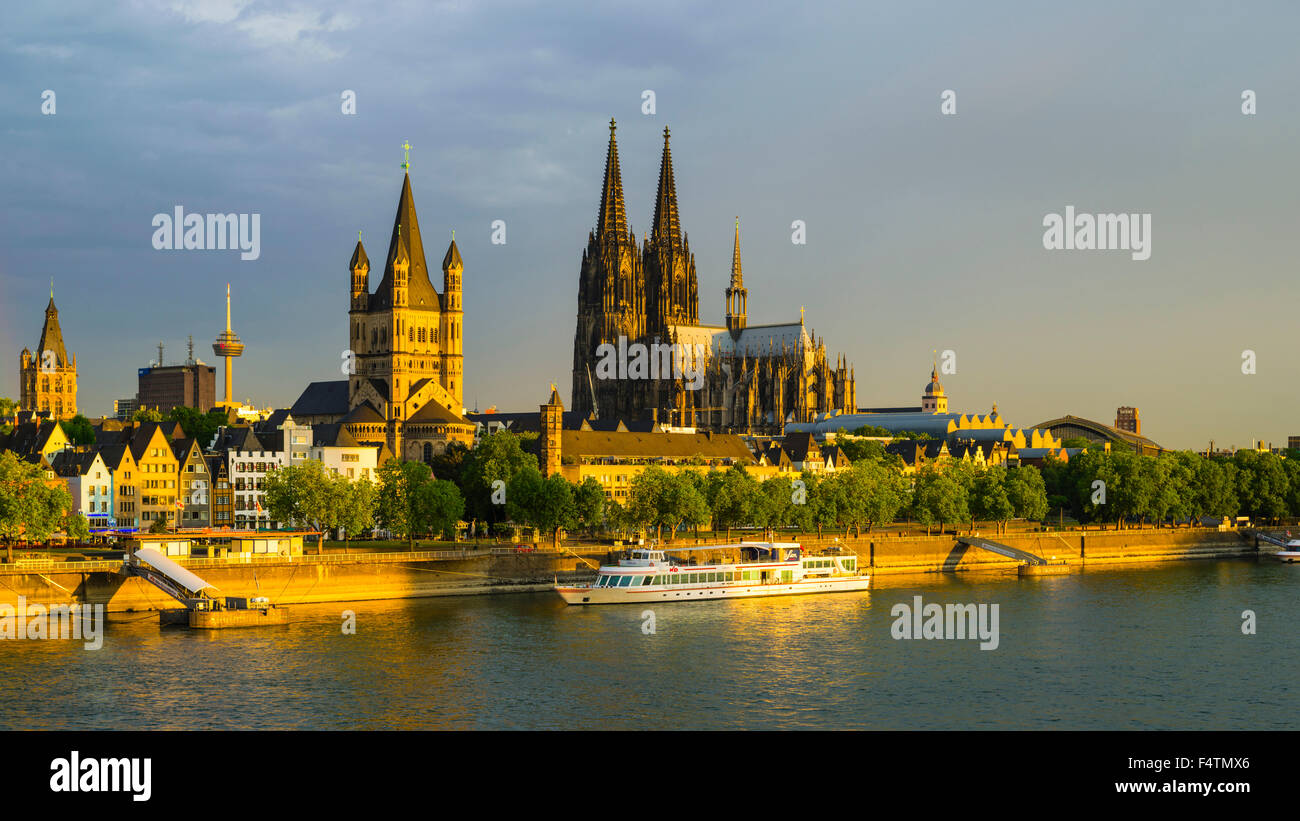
(939, 496)
(78, 430)
(356, 513)
(735, 494)
(31, 506)
(546, 504)
(438, 507)
(664, 500)
(301, 495)
(146, 415)
(589, 504)
(989, 500)
(496, 457)
(1027, 492)
(198, 425)
(399, 508)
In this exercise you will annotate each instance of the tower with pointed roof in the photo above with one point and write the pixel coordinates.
(406, 364)
(737, 296)
(48, 377)
(671, 294)
(552, 414)
(611, 293)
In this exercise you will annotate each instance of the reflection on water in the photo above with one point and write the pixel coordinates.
(1132, 649)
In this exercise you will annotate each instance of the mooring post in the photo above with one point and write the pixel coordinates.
(873, 554)
(1083, 547)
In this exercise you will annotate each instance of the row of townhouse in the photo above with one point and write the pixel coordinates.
(138, 473)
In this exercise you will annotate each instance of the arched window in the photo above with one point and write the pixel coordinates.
(428, 452)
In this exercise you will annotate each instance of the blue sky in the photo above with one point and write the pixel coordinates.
(924, 230)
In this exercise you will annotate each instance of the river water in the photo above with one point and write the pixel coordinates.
(1156, 647)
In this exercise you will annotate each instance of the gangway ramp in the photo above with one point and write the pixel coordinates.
(168, 576)
(1265, 537)
(1002, 549)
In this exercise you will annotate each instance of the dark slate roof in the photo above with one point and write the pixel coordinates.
(239, 438)
(835, 454)
(113, 455)
(216, 464)
(608, 425)
(272, 441)
(322, 399)
(72, 463)
(30, 437)
(528, 421)
(359, 257)
(333, 435)
(776, 455)
(798, 446)
(181, 448)
(364, 413)
(452, 258)
(143, 435)
(277, 418)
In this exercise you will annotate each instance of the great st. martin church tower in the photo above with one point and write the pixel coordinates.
(407, 383)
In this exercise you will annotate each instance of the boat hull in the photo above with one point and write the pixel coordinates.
(621, 595)
(1288, 555)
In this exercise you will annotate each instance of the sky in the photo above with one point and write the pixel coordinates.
(924, 230)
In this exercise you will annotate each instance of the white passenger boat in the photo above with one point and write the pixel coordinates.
(765, 569)
(1292, 551)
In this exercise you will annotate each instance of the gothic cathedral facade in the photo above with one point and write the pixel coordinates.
(756, 378)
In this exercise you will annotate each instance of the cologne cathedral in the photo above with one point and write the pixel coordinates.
(756, 377)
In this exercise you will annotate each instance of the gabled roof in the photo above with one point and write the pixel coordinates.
(144, 434)
(239, 438)
(113, 455)
(433, 412)
(799, 446)
(73, 463)
(31, 437)
(277, 418)
(365, 414)
(333, 435)
(322, 399)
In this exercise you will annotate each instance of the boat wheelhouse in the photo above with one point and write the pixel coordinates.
(764, 569)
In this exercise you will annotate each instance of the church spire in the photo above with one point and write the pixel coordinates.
(737, 296)
(52, 334)
(612, 216)
(737, 279)
(667, 229)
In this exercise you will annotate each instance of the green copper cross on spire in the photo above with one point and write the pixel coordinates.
(51, 287)
(406, 147)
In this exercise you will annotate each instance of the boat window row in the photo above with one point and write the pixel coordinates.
(711, 577)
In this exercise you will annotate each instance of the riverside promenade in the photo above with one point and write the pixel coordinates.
(360, 576)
